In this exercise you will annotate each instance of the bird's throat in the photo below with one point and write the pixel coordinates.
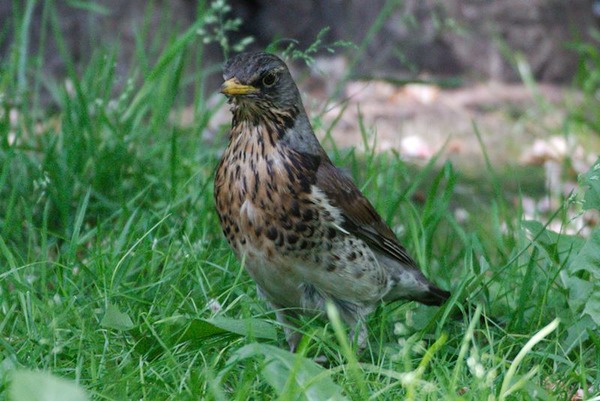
(262, 119)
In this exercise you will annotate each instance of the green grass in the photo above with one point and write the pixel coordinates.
(115, 276)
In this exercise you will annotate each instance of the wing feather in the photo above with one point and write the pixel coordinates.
(361, 218)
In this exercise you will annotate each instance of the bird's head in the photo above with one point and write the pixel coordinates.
(261, 91)
(260, 82)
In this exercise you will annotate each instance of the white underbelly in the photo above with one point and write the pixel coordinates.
(279, 282)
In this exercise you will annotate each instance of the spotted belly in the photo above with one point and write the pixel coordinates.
(297, 244)
(287, 232)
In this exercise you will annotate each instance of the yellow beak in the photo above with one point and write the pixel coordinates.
(233, 87)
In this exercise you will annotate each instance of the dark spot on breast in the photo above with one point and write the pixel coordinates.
(289, 120)
(256, 181)
(292, 239)
(352, 256)
(271, 233)
(359, 274)
(286, 224)
(301, 227)
(258, 231)
(317, 259)
(279, 241)
(289, 168)
(305, 184)
(330, 267)
(307, 215)
(271, 139)
(280, 132)
(331, 233)
(295, 208)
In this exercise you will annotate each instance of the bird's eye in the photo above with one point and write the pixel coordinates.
(269, 79)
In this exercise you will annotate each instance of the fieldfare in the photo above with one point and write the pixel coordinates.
(305, 232)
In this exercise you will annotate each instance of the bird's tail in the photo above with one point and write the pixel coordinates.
(412, 285)
(434, 296)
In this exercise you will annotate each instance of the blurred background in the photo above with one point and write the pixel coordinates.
(512, 83)
(472, 125)
(467, 38)
(518, 79)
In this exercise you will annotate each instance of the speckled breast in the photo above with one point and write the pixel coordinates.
(263, 199)
(284, 227)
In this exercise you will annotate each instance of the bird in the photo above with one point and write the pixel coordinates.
(303, 230)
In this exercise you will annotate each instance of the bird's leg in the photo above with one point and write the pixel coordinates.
(359, 333)
(354, 317)
(352, 314)
(292, 335)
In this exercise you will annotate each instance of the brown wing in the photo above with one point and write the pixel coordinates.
(361, 218)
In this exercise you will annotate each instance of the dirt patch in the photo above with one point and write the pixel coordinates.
(419, 120)
(518, 127)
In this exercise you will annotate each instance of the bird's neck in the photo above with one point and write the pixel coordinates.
(255, 115)
(291, 129)
(271, 124)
